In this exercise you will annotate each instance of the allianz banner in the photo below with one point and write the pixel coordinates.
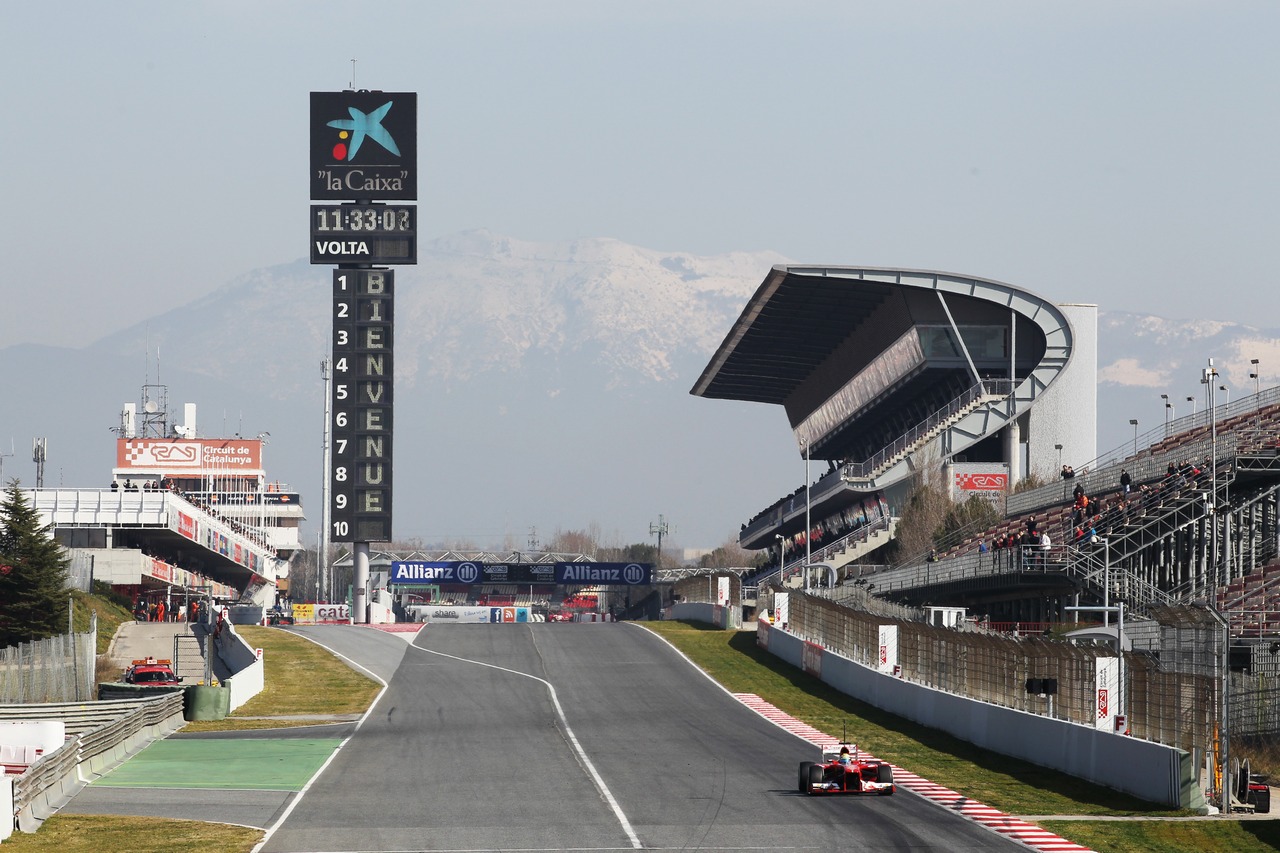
(473, 572)
(439, 571)
(604, 574)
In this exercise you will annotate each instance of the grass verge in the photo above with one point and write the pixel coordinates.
(111, 614)
(301, 679)
(1168, 836)
(96, 833)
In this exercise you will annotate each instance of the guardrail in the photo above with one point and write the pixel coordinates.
(99, 736)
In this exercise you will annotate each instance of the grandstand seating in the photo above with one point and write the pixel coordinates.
(1252, 603)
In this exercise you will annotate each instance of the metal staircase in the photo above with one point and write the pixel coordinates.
(188, 657)
(984, 395)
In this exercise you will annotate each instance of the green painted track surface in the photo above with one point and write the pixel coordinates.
(246, 764)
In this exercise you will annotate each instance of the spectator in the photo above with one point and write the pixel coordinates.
(1125, 481)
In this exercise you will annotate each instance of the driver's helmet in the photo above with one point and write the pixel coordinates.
(845, 757)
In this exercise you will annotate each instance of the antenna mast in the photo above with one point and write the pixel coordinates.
(39, 453)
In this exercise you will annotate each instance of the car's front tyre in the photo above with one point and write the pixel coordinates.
(803, 785)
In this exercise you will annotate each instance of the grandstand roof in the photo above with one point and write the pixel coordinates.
(790, 326)
(831, 344)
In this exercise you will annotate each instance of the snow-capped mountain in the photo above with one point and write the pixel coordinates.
(538, 385)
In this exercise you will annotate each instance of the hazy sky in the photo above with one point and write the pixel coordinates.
(1117, 153)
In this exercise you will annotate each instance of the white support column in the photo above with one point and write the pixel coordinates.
(360, 585)
(1013, 451)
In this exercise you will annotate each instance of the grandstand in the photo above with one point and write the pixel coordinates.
(884, 373)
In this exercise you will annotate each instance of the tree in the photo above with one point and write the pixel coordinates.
(728, 555)
(638, 552)
(925, 509)
(974, 513)
(33, 573)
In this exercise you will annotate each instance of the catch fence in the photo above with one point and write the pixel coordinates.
(57, 669)
(1177, 707)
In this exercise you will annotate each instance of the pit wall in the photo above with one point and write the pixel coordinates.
(1150, 771)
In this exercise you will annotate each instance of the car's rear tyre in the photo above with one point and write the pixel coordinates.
(803, 784)
(884, 773)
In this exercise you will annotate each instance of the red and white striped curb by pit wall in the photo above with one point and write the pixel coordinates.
(997, 821)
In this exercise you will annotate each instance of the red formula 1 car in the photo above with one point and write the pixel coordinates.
(842, 770)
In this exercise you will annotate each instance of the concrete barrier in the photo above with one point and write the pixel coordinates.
(241, 660)
(6, 806)
(1150, 771)
(711, 614)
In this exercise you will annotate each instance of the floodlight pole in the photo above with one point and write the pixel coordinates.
(1210, 374)
(1106, 582)
(808, 527)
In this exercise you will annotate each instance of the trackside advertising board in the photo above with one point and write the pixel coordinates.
(606, 574)
(474, 615)
(442, 571)
(473, 572)
(1106, 693)
(888, 657)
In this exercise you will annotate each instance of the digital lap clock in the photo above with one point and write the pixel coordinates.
(364, 234)
(342, 219)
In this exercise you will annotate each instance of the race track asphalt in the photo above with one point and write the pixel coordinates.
(578, 737)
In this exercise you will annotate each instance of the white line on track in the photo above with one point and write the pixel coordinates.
(314, 776)
(568, 732)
